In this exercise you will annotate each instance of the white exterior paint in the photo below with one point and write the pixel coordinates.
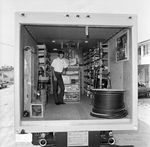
(145, 52)
(144, 57)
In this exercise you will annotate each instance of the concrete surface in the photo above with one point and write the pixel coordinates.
(140, 138)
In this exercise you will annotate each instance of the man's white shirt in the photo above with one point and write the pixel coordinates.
(58, 64)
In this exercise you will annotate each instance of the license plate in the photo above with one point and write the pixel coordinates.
(23, 137)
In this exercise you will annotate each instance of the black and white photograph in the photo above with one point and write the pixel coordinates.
(122, 47)
(74, 73)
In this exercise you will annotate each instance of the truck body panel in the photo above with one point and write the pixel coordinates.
(123, 73)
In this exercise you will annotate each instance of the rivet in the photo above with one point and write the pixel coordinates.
(23, 14)
(130, 17)
(87, 16)
(67, 15)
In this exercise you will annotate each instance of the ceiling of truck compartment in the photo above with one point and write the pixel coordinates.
(56, 36)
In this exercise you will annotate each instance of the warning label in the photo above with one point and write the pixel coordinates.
(77, 139)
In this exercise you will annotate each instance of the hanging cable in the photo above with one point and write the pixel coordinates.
(6, 44)
(7, 39)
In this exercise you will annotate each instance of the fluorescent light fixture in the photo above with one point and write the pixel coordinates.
(55, 49)
(86, 30)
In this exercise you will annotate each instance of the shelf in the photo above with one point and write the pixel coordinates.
(105, 50)
(71, 67)
(70, 74)
(72, 91)
(72, 87)
(93, 61)
(72, 84)
(70, 101)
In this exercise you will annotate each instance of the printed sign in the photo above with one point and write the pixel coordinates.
(77, 139)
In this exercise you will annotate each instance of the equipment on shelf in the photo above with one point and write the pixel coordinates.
(95, 72)
(72, 84)
(39, 101)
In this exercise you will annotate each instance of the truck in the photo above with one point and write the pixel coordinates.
(101, 91)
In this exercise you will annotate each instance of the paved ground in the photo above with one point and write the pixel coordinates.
(140, 138)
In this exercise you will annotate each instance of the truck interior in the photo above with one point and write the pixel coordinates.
(39, 45)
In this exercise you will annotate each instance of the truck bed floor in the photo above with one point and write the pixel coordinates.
(70, 111)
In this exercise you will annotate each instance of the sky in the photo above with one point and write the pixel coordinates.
(8, 8)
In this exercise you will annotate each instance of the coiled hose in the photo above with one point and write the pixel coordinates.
(109, 104)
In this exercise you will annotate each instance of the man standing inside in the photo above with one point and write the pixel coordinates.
(58, 66)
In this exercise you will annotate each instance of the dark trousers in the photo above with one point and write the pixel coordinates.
(58, 97)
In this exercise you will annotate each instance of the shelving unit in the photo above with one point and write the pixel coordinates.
(42, 55)
(72, 84)
(44, 74)
(95, 68)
